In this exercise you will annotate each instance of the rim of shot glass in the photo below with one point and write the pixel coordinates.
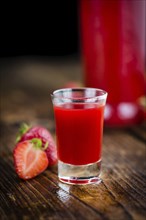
(101, 96)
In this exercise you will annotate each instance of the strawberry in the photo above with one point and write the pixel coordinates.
(29, 158)
(27, 133)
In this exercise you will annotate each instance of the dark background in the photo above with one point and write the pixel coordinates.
(39, 29)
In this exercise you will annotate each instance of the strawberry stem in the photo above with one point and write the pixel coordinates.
(23, 129)
(37, 143)
(46, 145)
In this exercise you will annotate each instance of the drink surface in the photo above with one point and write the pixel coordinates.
(79, 130)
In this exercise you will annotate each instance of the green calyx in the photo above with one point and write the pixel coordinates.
(46, 145)
(38, 144)
(23, 129)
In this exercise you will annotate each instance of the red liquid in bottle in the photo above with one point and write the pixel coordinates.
(79, 129)
(113, 43)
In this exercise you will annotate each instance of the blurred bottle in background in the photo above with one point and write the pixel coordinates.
(113, 53)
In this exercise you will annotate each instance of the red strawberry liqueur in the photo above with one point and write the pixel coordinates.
(79, 133)
(79, 114)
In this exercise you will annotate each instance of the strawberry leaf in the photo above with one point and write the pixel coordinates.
(23, 129)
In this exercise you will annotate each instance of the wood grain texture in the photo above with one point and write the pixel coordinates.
(122, 192)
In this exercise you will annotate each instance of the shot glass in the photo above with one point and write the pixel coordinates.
(79, 116)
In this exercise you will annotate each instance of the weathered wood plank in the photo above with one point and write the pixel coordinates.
(139, 132)
(122, 193)
(98, 198)
(106, 201)
(40, 195)
(126, 158)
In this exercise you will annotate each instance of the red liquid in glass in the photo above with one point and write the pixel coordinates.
(79, 129)
(113, 42)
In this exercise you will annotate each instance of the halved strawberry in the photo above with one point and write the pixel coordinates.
(29, 158)
(27, 133)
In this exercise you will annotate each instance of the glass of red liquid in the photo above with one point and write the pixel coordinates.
(79, 115)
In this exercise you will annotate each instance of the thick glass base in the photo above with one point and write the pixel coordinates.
(79, 174)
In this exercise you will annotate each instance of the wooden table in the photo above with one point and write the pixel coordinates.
(26, 84)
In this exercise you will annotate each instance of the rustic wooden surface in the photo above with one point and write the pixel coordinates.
(26, 85)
